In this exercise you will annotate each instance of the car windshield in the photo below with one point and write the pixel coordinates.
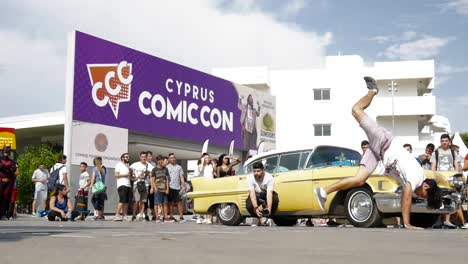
(334, 156)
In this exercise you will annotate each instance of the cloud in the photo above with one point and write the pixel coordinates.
(197, 34)
(448, 69)
(423, 48)
(292, 8)
(405, 36)
(445, 72)
(380, 39)
(459, 6)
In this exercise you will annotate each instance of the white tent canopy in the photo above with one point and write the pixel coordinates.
(457, 140)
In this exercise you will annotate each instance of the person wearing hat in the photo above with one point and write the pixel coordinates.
(8, 173)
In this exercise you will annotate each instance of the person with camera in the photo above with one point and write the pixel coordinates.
(263, 200)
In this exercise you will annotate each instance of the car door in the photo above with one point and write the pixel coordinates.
(293, 184)
(330, 164)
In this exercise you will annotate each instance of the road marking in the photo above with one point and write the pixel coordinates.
(72, 236)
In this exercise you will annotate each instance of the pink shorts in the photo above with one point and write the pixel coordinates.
(379, 140)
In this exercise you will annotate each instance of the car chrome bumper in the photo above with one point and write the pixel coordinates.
(391, 203)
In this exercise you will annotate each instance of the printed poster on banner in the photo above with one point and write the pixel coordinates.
(257, 118)
(121, 87)
(92, 140)
(7, 137)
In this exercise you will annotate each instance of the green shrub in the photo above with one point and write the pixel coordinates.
(28, 162)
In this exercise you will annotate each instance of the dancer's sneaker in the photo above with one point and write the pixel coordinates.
(320, 199)
(371, 84)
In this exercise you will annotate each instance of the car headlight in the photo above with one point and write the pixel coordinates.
(456, 180)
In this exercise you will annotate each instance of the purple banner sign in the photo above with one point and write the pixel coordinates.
(122, 87)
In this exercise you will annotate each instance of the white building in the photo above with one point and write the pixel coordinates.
(314, 105)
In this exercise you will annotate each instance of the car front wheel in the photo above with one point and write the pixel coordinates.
(361, 209)
(229, 214)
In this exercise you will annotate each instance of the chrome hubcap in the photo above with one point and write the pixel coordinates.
(227, 211)
(360, 206)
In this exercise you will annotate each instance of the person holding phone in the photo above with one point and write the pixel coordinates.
(263, 200)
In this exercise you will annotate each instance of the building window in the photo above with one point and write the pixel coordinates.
(321, 94)
(322, 130)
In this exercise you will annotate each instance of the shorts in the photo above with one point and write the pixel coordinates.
(40, 195)
(160, 198)
(139, 196)
(174, 196)
(379, 140)
(125, 194)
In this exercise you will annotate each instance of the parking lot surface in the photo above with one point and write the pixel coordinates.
(30, 240)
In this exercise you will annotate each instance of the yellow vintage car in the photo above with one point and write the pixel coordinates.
(297, 173)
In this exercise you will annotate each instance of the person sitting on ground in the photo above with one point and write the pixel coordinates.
(61, 208)
(398, 162)
(263, 200)
(225, 165)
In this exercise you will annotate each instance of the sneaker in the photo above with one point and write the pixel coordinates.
(464, 226)
(57, 218)
(449, 225)
(79, 217)
(146, 218)
(118, 218)
(320, 199)
(208, 222)
(99, 218)
(127, 218)
(138, 217)
(332, 223)
(158, 220)
(199, 221)
(34, 214)
(133, 218)
(371, 84)
(182, 220)
(194, 218)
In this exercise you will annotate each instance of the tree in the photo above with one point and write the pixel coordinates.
(28, 162)
(464, 137)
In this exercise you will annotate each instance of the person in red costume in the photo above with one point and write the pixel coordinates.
(8, 173)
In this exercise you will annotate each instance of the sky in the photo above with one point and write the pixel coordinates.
(204, 34)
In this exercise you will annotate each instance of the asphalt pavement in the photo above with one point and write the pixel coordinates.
(31, 240)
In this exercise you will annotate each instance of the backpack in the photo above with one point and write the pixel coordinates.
(54, 178)
(437, 158)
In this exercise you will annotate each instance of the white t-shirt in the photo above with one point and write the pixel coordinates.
(40, 175)
(121, 168)
(84, 177)
(267, 183)
(61, 172)
(402, 166)
(139, 168)
(208, 172)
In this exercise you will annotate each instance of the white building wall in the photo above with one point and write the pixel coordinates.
(297, 112)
